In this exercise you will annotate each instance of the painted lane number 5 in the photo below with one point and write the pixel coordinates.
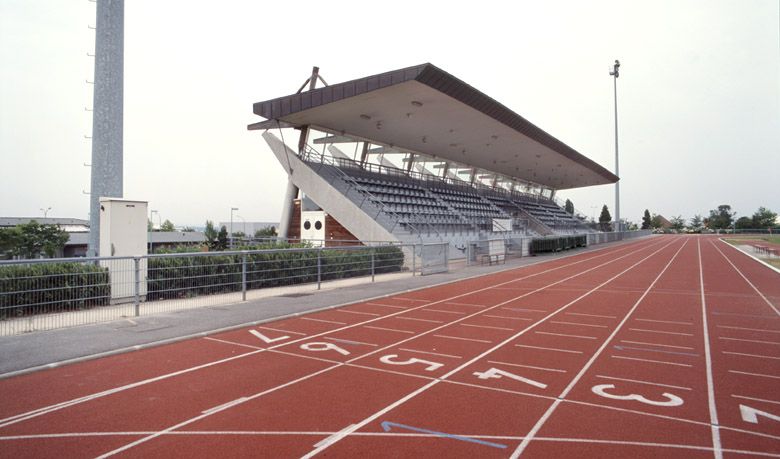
(671, 399)
(389, 359)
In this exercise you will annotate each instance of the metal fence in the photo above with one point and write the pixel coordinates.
(54, 293)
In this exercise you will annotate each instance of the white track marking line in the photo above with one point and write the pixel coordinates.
(232, 342)
(556, 370)
(543, 419)
(468, 304)
(758, 316)
(421, 320)
(389, 329)
(650, 383)
(323, 321)
(61, 405)
(713, 407)
(505, 317)
(564, 335)
(487, 327)
(524, 310)
(656, 344)
(429, 352)
(349, 341)
(358, 312)
(660, 331)
(283, 331)
(463, 339)
(754, 374)
(589, 315)
(387, 305)
(756, 399)
(569, 351)
(578, 324)
(766, 300)
(508, 340)
(333, 438)
(224, 406)
(751, 355)
(412, 299)
(749, 329)
(651, 361)
(748, 340)
(446, 312)
(665, 321)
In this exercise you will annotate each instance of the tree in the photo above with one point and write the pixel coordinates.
(569, 207)
(647, 220)
(721, 218)
(604, 219)
(744, 223)
(30, 240)
(211, 234)
(656, 222)
(696, 223)
(268, 231)
(764, 218)
(149, 225)
(167, 226)
(222, 238)
(678, 223)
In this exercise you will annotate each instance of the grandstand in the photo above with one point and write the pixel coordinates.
(496, 175)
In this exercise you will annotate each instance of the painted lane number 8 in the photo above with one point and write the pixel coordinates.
(671, 399)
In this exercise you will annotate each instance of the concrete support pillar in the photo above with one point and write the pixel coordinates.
(287, 209)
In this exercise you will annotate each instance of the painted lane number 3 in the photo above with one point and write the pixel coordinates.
(671, 399)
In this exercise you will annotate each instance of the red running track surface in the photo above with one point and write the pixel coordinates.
(664, 347)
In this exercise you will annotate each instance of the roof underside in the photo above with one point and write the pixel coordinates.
(426, 110)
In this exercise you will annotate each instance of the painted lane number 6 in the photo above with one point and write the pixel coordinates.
(671, 399)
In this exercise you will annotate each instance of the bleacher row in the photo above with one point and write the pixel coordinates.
(432, 203)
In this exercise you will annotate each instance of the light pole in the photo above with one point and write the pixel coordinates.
(231, 225)
(151, 220)
(45, 211)
(615, 73)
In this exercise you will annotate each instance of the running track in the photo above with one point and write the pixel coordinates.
(663, 347)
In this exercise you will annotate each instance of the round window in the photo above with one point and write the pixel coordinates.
(318, 225)
(307, 225)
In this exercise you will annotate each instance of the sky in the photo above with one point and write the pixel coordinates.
(698, 94)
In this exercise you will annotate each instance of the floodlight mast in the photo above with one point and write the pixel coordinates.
(615, 73)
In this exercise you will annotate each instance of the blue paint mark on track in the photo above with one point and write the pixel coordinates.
(387, 426)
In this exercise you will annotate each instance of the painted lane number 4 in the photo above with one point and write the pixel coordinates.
(671, 399)
(498, 374)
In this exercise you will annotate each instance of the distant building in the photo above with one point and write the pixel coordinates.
(248, 228)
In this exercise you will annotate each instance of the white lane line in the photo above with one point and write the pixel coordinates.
(650, 383)
(224, 406)
(651, 361)
(505, 317)
(467, 304)
(578, 324)
(656, 344)
(665, 321)
(766, 300)
(754, 374)
(660, 331)
(556, 370)
(589, 315)
(463, 339)
(757, 316)
(543, 419)
(411, 299)
(420, 320)
(349, 341)
(549, 349)
(751, 355)
(749, 329)
(323, 321)
(486, 326)
(325, 442)
(524, 310)
(446, 312)
(431, 353)
(713, 407)
(756, 399)
(564, 335)
(232, 342)
(749, 340)
(387, 305)
(389, 329)
(358, 312)
(282, 331)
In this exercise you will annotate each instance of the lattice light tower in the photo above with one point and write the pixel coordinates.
(107, 113)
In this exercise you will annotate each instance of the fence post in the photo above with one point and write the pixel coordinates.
(446, 257)
(372, 264)
(137, 287)
(243, 276)
(319, 267)
(414, 260)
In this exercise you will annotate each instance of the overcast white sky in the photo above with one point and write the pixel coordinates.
(698, 93)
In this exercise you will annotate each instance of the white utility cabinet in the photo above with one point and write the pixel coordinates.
(123, 233)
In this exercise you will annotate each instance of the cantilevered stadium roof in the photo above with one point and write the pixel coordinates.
(426, 110)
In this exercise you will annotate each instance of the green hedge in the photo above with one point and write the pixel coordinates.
(52, 287)
(556, 244)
